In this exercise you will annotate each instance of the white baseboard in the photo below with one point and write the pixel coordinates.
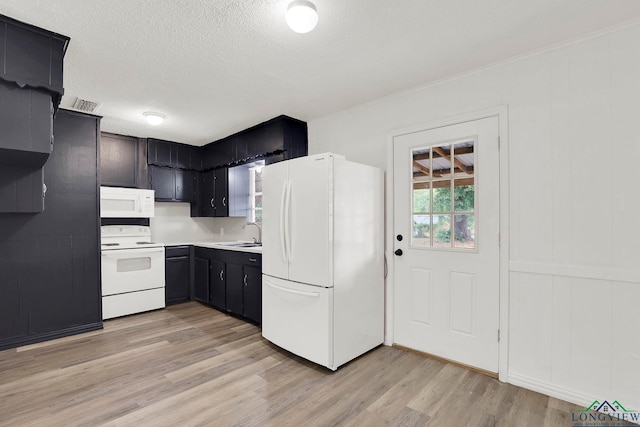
(550, 389)
(562, 393)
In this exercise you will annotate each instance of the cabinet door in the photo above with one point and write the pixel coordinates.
(164, 153)
(196, 158)
(201, 279)
(221, 192)
(182, 156)
(177, 280)
(252, 295)
(185, 185)
(235, 285)
(295, 138)
(206, 197)
(163, 182)
(218, 291)
(118, 161)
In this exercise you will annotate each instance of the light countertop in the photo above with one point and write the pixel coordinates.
(218, 245)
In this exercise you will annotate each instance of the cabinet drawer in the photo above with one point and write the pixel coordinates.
(245, 258)
(176, 251)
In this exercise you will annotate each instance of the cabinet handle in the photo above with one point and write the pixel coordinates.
(221, 275)
(245, 280)
(252, 259)
(212, 202)
(224, 202)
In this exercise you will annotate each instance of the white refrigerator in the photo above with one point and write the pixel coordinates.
(323, 258)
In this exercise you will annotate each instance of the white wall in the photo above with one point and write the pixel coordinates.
(173, 224)
(574, 203)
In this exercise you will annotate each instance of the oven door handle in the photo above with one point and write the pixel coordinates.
(139, 253)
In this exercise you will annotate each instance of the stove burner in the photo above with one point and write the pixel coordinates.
(111, 244)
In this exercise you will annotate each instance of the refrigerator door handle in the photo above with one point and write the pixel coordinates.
(283, 241)
(293, 291)
(287, 221)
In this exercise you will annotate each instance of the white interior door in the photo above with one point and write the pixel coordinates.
(446, 225)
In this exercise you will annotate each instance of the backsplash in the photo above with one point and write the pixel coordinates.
(173, 223)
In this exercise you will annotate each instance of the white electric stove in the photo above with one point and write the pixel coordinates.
(132, 270)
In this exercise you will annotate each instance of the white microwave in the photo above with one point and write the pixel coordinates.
(116, 202)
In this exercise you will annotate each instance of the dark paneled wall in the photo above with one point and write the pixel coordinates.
(50, 262)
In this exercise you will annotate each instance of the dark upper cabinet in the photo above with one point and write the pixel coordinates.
(196, 157)
(32, 56)
(159, 152)
(177, 274)
(173, 185)
(163, 182)
(186, 185)
(213, 193)
(221, 191)
(206, 196)
(280, 138)
(26, 123)
(122, 161)
(31, 85)
(182, 156)
(173, 154)
(219, 153)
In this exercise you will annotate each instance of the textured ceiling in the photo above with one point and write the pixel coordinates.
(215, 67)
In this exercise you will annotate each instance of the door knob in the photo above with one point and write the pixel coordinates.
(398, 252)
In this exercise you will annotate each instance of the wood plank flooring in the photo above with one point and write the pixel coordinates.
(189, 365)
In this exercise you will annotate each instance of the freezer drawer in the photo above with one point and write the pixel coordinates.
(299, 318)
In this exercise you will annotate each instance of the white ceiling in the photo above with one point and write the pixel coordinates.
(215, 67)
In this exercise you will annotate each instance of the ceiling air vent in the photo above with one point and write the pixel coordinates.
(85, 106)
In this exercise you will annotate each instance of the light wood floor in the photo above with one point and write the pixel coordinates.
(190, 365)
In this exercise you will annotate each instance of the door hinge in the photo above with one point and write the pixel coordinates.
(498, 143)
(498, 334)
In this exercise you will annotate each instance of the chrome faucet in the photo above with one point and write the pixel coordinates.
(259, 241)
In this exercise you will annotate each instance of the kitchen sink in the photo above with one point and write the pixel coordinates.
(242, 244)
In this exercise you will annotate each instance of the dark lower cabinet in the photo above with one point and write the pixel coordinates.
(218, 284)
(177, 274)
(234, 288)
(201, 277)
(252, 292)
(230, 281)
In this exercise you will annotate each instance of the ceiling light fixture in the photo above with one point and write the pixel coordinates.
(152, 118)
(301, 16)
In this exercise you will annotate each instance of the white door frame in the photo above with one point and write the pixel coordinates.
(503, 131)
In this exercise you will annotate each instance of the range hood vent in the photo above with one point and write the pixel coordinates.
(85, 106)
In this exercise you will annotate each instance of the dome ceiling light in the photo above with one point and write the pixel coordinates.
(301, 16)
(153, 118)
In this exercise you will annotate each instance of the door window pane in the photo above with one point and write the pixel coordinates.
(443, 196)
(421, 233)
(464, 231)
(442, 231)
(464, 192)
